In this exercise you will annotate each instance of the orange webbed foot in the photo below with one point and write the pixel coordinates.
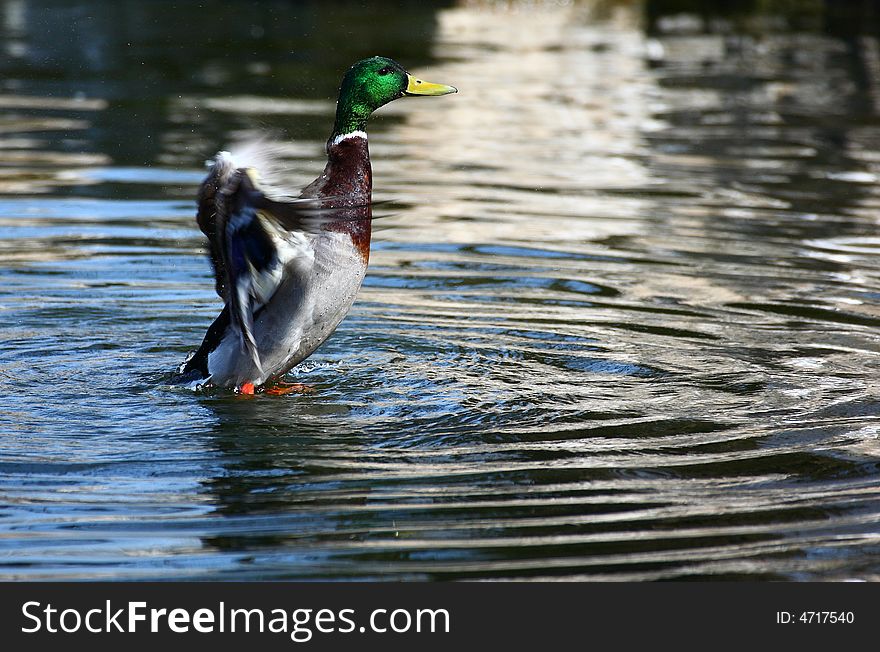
(245, 388)
(281, 388)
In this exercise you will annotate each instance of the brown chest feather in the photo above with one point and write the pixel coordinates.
(347, 183)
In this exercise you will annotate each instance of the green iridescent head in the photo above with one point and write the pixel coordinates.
(371, 83)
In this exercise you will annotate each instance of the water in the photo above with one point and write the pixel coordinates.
(621, 321)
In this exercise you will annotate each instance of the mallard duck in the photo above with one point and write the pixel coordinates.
(288, 269)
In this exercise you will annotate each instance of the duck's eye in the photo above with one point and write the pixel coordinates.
(385, 71)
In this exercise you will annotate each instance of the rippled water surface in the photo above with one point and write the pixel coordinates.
(621, 319)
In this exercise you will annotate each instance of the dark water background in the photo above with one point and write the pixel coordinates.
(621, 321)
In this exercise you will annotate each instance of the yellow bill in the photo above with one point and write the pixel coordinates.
(418, 87)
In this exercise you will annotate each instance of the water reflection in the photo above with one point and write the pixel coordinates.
(619, 324)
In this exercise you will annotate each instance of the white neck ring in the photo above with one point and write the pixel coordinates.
(351, 134)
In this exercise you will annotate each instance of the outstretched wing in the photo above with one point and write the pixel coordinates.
(206, 216)
(248, 242)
